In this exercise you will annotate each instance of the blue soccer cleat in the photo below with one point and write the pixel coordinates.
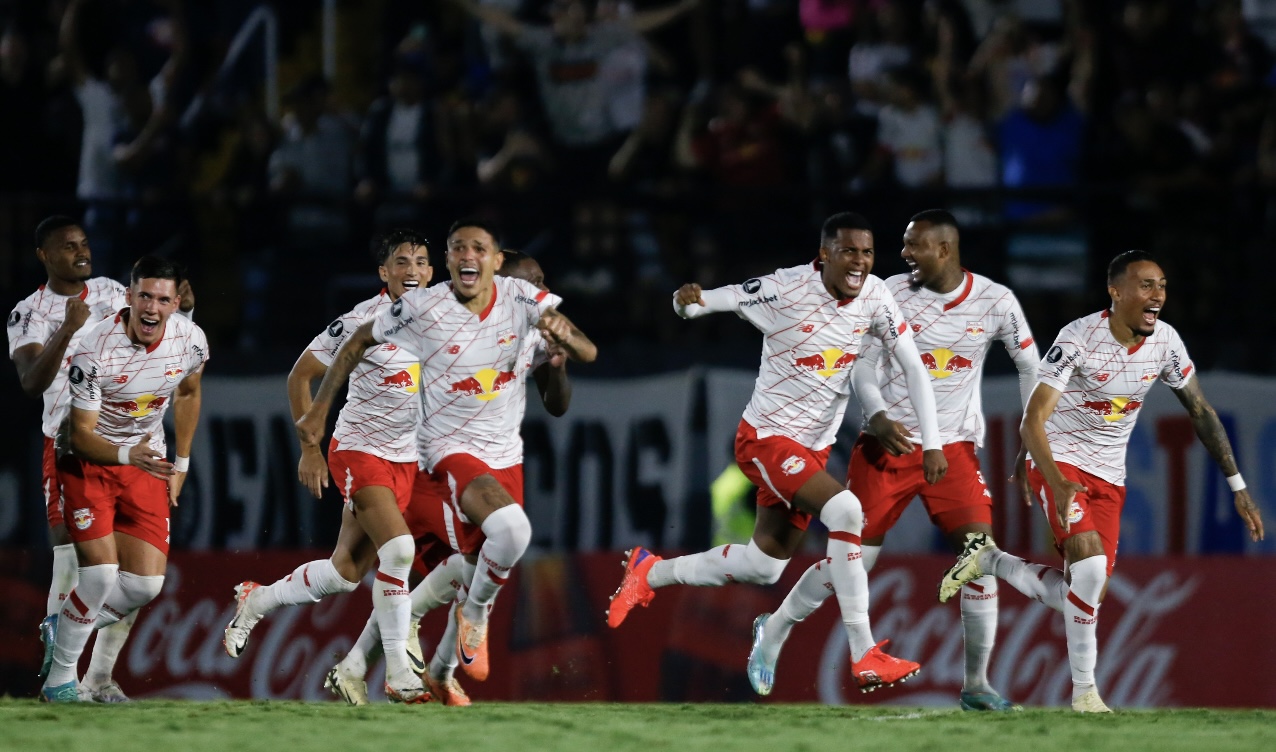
(761, 673)
(68, 692)
(49, 637)
(987, 701)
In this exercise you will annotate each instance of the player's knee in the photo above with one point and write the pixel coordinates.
(137, 591)
(397, 552)
(510, 528)
(763, 569)
(843, 513)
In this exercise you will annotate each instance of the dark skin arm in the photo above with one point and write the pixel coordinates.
(38, 365)
(1212, 434)
(553, 384)
(559, 330)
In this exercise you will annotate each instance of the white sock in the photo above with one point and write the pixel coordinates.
(439, 586)
(844, 518)
(979, 627)
(131, 592)
(75, 622)
(508, 533)
(1037, 581)
(443, 662)
(65, 573)
(392, 606)
(106, 650)
(1081, 620)
(718, 566)
(806, 596)
(308, 583)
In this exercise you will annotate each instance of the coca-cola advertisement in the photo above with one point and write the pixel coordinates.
(1161, 620)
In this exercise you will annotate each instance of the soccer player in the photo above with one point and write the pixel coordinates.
(117, 485)
(955, 317)
(44, 329)
(372, 458)
(813, 318)
(440, 572)
(468, 335)
(1076, 428)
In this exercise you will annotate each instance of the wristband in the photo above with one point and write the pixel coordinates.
(181, 464)
(122, 456)
(1236, 483)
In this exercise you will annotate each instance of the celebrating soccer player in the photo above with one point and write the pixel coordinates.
(955, 317)
(116, 482)
(469, 336)
(813, 318)
(441, 573)
(1076, 428)
(373, 461)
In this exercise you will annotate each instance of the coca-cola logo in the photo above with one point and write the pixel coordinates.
(1030, 661)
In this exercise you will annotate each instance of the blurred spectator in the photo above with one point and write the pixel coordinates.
(400, 161)
(738, 145)
(881, 45)
(1039, 144)
(312, 169)
(570, 58)
(908, 135)
(646, 157)
(827, 26)
(22, 141)
(1008, 59)
(1153, 43)
(970, 160)
(507, 154)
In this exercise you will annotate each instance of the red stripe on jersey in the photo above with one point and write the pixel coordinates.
(387, 578)
(844, 537)
(490, 304)
(1025, 344)
(541, 296)
(79, 604)
(902, 326)
(1186, 371)
(970, 283)
(1074, 600)
(1135, 349)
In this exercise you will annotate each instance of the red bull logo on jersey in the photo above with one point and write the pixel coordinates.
(1148, 377)
(793, 465)
(82, 518)
(507, 340)
(406, 379)
(1075, 513)
(486, 385)
(974, 329)
(826, 363)
(139, 407)
(172, 370)
(1114, 409)
(942, 363)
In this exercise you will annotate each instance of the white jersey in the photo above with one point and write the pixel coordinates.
(131, 386)
(382, 407)
(1103, 384)
(473, 369)
(954, 333)
(34, 321)
(811, 341)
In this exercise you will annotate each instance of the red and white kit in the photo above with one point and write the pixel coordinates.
(800, 397)
(954, 332)
(130, 387)
(374, 442)
(1103, 385)
(33, 321)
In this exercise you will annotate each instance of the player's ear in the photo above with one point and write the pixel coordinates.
(383, 274)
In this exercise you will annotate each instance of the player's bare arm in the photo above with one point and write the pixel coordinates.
(1041, 405)
(1020, 477)
(312, 468)
(92, 447)
(310, 426)
(688, 294)
(1212, 434)
(552, 383)
(559, 330)
(186, 402)
(37, 364)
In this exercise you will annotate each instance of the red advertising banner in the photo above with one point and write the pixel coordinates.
(1172, 632)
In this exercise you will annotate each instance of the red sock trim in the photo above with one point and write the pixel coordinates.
(844, 537)
(1074, 600)
(79, 604)
(305, 575)
(387, 578)
(976, 588)
(496, 578)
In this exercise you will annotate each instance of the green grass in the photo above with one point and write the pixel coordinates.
(159, 726)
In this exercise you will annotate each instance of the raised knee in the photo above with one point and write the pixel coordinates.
(843, 513)
(763, 569)
(396, 553)
(509, 526)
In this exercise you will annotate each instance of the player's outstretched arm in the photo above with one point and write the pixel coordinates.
(934, 464)
(692, 301)
(186, 402)
(38, 364)
(559, 330)
(310, 426)
(1212, 434)
(312, 468)
(89, 446)
(1041, 406)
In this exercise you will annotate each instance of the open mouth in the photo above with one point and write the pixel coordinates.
(1151, 314)
(411, 284)
(469, 275)
(854, 280)
(148, 326)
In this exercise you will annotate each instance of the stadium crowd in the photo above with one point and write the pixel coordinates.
(629, 146)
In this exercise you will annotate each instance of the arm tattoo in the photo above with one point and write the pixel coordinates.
(1208, 427)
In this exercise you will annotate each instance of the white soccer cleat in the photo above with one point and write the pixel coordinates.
(416, 658)
(967, 567)
(353, 689)
(107, 693)
(1090, 702)
(237, 631)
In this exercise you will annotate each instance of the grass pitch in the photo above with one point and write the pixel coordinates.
(153, 726)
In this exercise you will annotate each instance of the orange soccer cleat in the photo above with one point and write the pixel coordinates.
(877, 669)
(633, 590)
(447, 691)
(471, 646)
